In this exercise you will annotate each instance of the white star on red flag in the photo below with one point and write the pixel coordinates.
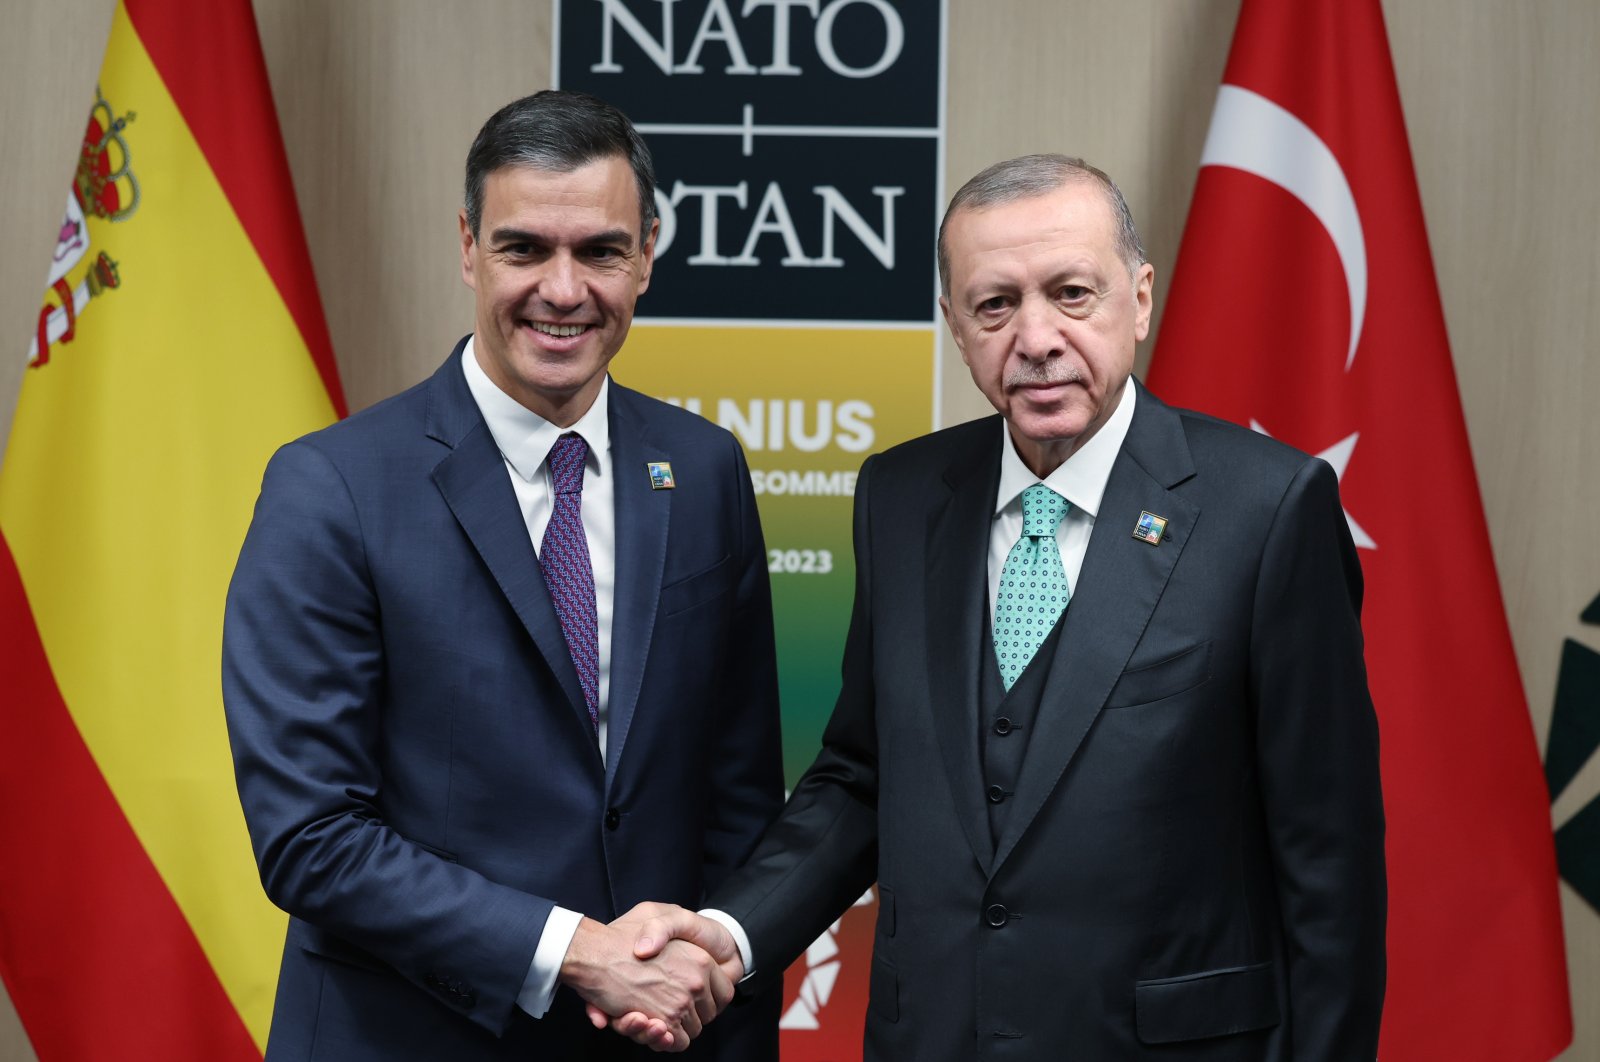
(1337, 455)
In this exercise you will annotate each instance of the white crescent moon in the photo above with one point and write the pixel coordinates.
(1251, 133)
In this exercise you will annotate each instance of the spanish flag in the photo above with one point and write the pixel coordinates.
(180, 340)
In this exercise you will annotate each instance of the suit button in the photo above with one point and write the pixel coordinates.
(1002, 726)
(996, 794)
(996, 915)
(613, 819)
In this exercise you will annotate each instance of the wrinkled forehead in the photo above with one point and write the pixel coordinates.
(1065, 225)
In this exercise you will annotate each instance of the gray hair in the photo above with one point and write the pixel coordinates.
(1034, 175)
(558, 131)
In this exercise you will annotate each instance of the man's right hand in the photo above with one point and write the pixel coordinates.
(660, 929)
(670, 994)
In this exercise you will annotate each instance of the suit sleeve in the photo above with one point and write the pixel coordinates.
(821, 854)
(303, 684)
(1317, 757)
(747, 780)
(747, 783)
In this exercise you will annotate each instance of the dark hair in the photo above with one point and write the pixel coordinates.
(1031, 175)
(558, 130)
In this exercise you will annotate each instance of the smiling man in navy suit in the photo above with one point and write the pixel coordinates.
(1104, 738)
(498, 660)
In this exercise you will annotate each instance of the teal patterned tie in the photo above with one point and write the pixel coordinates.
(1033, 585)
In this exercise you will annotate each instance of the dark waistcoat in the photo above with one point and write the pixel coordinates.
(1006, 720)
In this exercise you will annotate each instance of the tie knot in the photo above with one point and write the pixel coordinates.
(1042, 511)
(566, 463)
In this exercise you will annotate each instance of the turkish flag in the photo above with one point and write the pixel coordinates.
(1304, 305)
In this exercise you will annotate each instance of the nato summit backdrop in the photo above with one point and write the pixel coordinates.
(798, 147)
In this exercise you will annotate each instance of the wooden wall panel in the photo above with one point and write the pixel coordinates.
(379, 101)
(380, 98)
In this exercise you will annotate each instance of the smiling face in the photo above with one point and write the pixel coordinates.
(556, 267)
(1045, 314)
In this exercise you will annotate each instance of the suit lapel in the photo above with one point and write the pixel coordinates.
(473, 480)
(1118, 587)
(642, 517)
(956, 588)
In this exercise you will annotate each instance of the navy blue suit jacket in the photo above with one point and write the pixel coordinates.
(418, 771)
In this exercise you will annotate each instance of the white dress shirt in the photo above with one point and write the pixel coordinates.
(525, 439)
(1081, 479)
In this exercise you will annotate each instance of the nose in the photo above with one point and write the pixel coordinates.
(1038, 331)
(561, 285)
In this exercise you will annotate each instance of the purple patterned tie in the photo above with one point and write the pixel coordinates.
(564, 557)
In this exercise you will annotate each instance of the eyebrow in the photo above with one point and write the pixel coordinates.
(1072, 272)
(608, 238)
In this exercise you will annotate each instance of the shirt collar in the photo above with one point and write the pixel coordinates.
(524, 437)
(1082, 477)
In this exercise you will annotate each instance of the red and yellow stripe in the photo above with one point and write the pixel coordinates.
(132, 923)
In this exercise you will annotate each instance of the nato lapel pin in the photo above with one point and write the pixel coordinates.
(660, 475)
(1150, 528)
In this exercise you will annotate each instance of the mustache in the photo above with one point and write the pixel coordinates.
(1036, 374)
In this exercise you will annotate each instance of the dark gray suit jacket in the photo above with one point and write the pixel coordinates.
(418, 770)
(1193, 863)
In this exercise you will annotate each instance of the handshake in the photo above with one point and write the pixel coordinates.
(658, 975)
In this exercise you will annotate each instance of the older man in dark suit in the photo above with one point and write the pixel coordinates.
(1104, 738)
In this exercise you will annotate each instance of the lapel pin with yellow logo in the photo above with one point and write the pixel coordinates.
(660, 475)
(1150, 528)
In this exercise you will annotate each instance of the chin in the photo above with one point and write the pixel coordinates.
(1062, 427)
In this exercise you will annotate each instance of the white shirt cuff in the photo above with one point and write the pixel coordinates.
(539, 988)
(731, 924)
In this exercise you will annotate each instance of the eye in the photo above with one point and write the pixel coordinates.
(993, 304)
(1075, 292)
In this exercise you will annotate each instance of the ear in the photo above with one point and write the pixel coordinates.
(467, 244)
(647, 258)
(1144, 285)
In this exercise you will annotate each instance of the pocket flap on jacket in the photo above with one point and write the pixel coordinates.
(1213, 1003)
(1175, 674)
(698, 588)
